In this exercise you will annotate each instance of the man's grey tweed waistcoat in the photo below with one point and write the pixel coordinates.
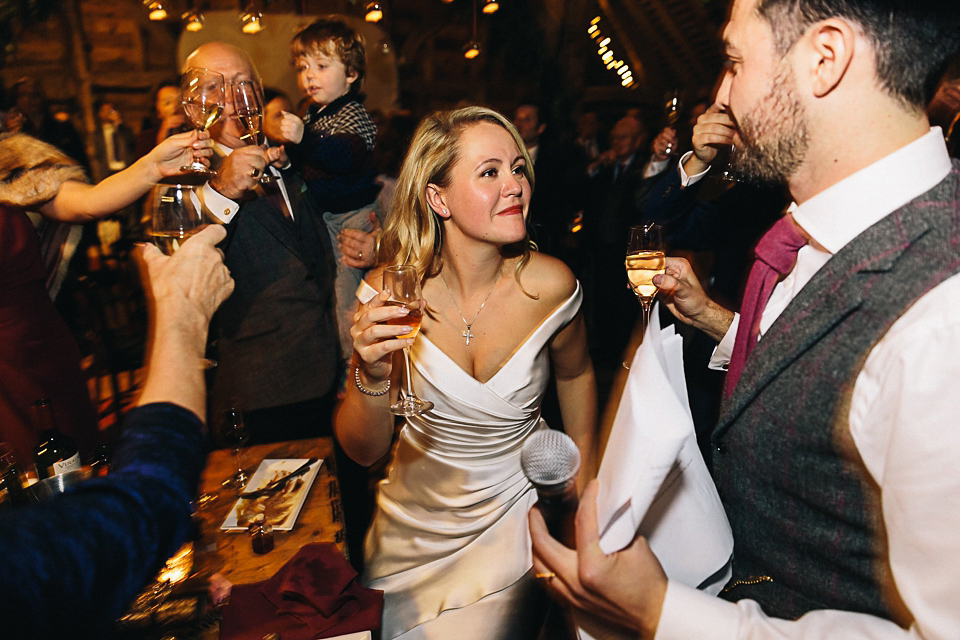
(803, 508)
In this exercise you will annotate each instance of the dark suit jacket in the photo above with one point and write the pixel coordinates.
(560, 180)
(123, 148)
(276, 336)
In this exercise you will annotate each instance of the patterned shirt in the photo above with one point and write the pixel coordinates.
(335, 157)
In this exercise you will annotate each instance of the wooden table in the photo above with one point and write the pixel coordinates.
(320, 520)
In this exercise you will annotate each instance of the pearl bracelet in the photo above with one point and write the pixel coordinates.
(364, 390)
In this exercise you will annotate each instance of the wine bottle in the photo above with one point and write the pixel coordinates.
(57, 453)
(12, 492)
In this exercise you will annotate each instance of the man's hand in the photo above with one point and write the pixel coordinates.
(188, 286)
(240, 172)
(684, 296)
(714, 129)
(291, 127)
(357, 247)
(626, 588)
(664, 144)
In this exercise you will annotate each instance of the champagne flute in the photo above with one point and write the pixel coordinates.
(248, 109)
(233, 432)
(730, 171)
(203, 102)
(404, 285)
(645, 259)
(671, 109)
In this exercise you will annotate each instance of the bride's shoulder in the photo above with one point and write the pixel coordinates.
(549, 279)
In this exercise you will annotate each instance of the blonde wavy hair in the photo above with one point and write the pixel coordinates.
(413, 234)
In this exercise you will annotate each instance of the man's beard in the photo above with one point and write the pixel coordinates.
(773, 134)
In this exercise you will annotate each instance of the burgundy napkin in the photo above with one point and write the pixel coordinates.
(314, 595)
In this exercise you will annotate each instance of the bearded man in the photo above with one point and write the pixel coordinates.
(835, 454)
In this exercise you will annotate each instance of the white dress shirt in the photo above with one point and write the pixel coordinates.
(903, 419)
(223, 208)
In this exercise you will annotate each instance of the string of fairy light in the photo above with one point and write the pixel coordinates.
(607, 55)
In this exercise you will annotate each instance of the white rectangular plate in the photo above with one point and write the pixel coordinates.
(268, 471)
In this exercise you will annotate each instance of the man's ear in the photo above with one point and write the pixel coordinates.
(436, 201)
(831, 46)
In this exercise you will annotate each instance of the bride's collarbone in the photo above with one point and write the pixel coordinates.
(494, 336)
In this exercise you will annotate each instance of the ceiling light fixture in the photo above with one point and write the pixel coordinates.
(193, 20)
(373, 12)
(157, 12)
(472, 49)
(490, 6)
(252, 20)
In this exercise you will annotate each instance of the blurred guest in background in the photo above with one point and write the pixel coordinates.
(31, 114)
(613, 190)
(559, 168)
(167, 109)
(588, 128)
(113, 141)
(275, 102)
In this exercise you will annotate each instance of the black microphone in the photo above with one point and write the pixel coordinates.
(550, 461)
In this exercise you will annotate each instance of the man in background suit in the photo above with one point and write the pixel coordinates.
(615, 180)
(276, 339)
(559, 181)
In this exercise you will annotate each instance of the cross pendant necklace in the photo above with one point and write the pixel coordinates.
(466, 332)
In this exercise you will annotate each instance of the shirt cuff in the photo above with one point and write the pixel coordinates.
(685, 180)
(220, 207)
(691, 613)
(365, 292)
(721, 355)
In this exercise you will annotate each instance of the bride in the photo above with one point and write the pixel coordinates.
(449, 543)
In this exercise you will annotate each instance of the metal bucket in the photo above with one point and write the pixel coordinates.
(49, 487)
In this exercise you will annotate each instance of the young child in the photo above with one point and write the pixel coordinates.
(333, 145)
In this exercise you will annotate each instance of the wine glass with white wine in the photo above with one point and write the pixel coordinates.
(403, 282)
(248, 110)
(645, 259)
(174, 217)
(203, 102)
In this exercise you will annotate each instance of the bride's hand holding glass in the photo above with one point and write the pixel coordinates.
(388, 322)
(376, 340)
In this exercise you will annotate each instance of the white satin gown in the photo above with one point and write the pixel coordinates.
(449, 544)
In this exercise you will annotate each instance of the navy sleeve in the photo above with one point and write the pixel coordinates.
(73, 564)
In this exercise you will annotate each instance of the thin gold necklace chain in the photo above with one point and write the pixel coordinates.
(466, 332)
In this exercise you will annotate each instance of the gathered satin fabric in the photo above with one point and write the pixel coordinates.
(451, 521)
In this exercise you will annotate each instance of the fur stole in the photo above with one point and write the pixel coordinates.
(32, 171)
